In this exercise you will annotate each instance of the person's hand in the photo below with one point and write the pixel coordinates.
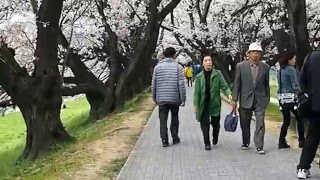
(234, 105)
(182, 104)
(196, 109)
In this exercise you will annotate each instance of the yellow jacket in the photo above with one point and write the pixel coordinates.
(188, 72)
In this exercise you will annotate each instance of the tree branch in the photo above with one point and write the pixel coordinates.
(6, 103)
(6, 57)
(316, 33)
(266, 42)
(245, 7)
(79, 89)
(100, 8)
(206, 11)
(134, 11)
(34, 4)
(169, 8)
(198, 9)
(192, 24)
(62, 40)
(70, 80)
(166, 28)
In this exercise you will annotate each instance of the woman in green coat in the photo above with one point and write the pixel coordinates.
(207, 101)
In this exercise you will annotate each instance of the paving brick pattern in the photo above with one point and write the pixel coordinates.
(189, 161)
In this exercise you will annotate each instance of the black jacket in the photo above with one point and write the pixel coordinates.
(310, 78)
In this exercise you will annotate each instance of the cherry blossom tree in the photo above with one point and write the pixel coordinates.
(38, 95)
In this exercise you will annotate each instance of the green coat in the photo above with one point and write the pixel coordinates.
(217, 84)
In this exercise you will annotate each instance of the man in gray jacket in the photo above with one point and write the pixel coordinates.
(169, 92)
(251, 87)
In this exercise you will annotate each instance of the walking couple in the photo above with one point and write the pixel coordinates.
(251, 87)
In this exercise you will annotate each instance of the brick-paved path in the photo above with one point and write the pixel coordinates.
(189, 161)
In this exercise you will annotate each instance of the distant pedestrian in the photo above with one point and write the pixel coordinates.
(169, 92)
(310, 83)
(252, 89)
(207, 101)
(189, 74)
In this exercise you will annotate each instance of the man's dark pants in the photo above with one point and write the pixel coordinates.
(311, 143)
(163, 116)
(245, 121)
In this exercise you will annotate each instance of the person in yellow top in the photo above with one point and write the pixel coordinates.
(189, 74)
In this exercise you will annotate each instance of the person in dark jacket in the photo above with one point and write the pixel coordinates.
(309, 81)
(289, 85)
(169, 92)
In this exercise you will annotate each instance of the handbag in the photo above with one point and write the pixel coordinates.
(286, 99)
(231, 121)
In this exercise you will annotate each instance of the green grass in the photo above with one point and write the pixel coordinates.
(273, 112)
(273, 87)
(12, 138)
(69, 157)
(13, 131)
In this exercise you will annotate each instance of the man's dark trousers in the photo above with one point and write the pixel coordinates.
(245, 121)
(312, 142)
(163, 116)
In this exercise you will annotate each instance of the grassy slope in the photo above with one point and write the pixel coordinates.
(12, 134)
(71, 156)
(273, 113)
(273, 86)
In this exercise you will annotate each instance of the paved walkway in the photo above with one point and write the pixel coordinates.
(189, 161)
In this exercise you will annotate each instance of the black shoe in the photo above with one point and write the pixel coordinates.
(176, 141)
(207, 147)
(245, 147)
(165, 144)
(261, 151)
(283, 145)
(215, 141)
(301, 144)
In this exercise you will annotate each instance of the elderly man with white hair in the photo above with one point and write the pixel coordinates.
(251, 88)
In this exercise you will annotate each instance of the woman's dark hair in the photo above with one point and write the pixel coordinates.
(205, 55)
(288, 55)
(169, 52)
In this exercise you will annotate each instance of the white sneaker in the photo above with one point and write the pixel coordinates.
(303, 173)
(261, 151)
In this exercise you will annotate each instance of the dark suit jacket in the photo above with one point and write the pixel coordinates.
(246, 90)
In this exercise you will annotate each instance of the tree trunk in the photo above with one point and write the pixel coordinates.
(282, 41)
(27, 116)
(136, 78)
(298, 26)
(100, 106)
(124, 84)
(100, 99)
(46, 126)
